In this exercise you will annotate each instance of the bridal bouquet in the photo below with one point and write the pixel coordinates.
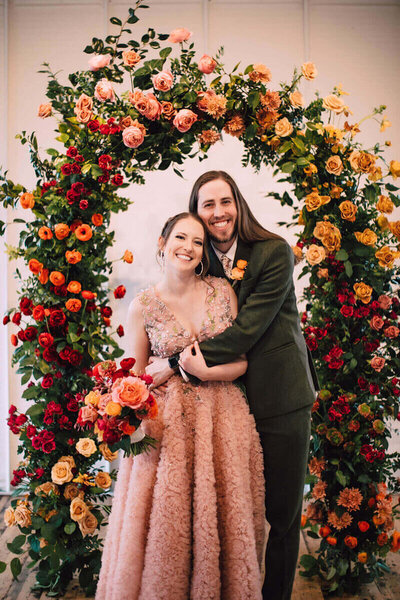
(116, 406)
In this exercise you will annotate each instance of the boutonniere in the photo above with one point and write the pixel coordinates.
(238, 271)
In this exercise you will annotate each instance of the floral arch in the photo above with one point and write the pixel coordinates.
(341, 193)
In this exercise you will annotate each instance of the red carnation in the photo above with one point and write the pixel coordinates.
(47, 381)
(75, 168)
(127, 363)
(105, 161)
(72, 197)
(16, 318)
(374, 389)
(25, 305)
(73, 405)
(46, 340)
(30, 431)
(79, 158)
(38, 313)
(48, 447)
(78, 188)
(363, 383)
(119, 292)
(39, 472)
(30, 333)
(75, 358)
(120, 331)
(21, 419)
(64, 422)
(49, 355)
(21, 335)
(106, 311)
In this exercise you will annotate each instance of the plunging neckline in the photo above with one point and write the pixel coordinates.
(204, 322)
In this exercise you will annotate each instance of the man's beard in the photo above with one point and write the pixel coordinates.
(219, 240)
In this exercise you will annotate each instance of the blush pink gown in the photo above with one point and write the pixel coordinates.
(187, 519)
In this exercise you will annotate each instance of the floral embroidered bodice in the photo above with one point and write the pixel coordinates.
(168, 336)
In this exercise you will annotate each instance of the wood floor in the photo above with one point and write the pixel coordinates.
(304, 589)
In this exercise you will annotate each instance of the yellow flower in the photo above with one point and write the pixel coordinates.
(84, 478)
(375, 174)
(339, 90)
(395, 168)
(383, 222)
(313, 201)
(348, 210)
(92, 398)
(385, 205)
(310, 170)
(113, 409)
(366, 237)
(334, 134)
(363, 291)
(86, 447)
(386, 257)
(385, 124)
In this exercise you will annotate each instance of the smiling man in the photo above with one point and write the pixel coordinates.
(280, 380)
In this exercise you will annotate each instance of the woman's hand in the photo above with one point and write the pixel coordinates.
(192, 361)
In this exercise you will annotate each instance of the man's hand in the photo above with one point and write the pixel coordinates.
(192, 361)
(159, 369)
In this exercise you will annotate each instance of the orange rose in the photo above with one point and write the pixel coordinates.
(384, 204)
(241, 264)
(309, 70)
(127, 428)
(378, 520)
(35, 266)
(395, 168)
(394, 227)
(260, 73)
(128, 257)
(332, 541)
(44, 276)
(350, 541)
(97, 220)
(324, 531)
(113, 409)
(61, 231)
(73, 305)
(75, 224)
(395, 545)
(382, 539)
(27, 200)
(386, 257)
(73, 256)
(363, 291)
(130, 58)
(87, 295)
(45, 233)
(57, 278)
(83, 233)
(362, 557)
(348, 210)
(130, 391)
(74, 287)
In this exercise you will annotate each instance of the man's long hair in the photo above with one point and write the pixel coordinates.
(249, 229)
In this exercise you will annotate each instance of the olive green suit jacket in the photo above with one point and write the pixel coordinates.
(280, 377)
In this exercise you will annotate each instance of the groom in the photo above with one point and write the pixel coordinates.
(280, 380)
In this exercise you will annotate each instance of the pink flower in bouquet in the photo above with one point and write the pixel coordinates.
(154, 108)
(391, 331)
(44, 110)
(377, 363)
(84, 102)
(179, 35)
(104, 91)
(207, 64)
(133, 136)
(131, 392)
(376, 322)
(184, 120)
(135, 96)
(163, 81)
(385, 302)
(87, 415)
(99, 61)
(104, 369)
(104, 400)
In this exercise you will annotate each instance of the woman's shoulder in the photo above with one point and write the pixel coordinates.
(216, 282)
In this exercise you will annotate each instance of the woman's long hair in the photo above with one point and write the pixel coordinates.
(249, 229)
(170, 224)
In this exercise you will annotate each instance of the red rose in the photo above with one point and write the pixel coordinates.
(57, 318)
(312, 343)
(115, 129)
(79, 158)
(119, 292)
(39, 472)
(374, 389)
(38, 313)
(103, 178)
(375, 305)
(335, 363)
(75, 168)
(30, 431)
(71, 152)
(25, 305)
(147, 379)
(83, 204)
(65, 353)
(48, 447)
(117, 179)
(93, 125)
(336, 352)
(37, 443)
(105, 161)
(363, 383)
(127, 363)
(30, 333)
(46, 340)
(66, 169)
(71, 197)
(21, 335)
(78, 188)
(16, 318)
(104, 129)
(120, 331)
(342, 297)
(75, 358)
(21, 419)
(49, 355)
(47, 381)
(347, 311)
(64, 422)
(106, 311)
(6, 320)
(14, 409)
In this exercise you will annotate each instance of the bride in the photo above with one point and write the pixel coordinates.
(187, 519)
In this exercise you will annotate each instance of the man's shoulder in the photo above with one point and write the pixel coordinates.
(265, 248)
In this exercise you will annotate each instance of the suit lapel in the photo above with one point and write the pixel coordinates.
(243, 252)
(216, 267)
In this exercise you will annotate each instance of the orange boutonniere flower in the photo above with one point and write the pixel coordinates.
(238, 271)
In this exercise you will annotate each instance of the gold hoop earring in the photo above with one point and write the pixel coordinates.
(202, 268)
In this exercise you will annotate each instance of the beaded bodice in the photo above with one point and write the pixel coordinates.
(167, 336)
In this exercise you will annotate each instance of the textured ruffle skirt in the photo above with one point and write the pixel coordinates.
(187, 519)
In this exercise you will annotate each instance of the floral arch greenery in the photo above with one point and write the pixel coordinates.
(112, 135)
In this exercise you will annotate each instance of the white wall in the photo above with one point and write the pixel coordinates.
(356, 43)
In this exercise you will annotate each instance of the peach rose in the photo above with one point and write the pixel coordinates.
(72, 491)
(78, 509)
(313, 201)
(44, 110)
(391, 332)
(35, 266)
(385, 205)
(84, 102)
(128, 257)
(83, 115)
(9, 516)
(168, 110)
(154, 108)
(88, 524)
(334, 165)
(93, 398)
(296, 99)
(184, 120)
(61, 473)
(332, 240)
(130, 58)
(103, 480)
(348, 210)
(22, 515)
(61, 231)
(385, 302)
(283, 127)
(207, 64)
(88, 413)
(377, 363)
(386, 257)
(315, 254)
(321, 229)
(376, 322)
(104, 91)
(86, 447)
(99, 61)
(394, 168)
(133, 136)
(394, 227)
(203, 99)
(47, 488)
(163, 81)
(362, 162)
(106, 452)
(179, 35)
(27, 200)
(130, 391)
(366, 237)
(103, 401)
(68, 459)
(260, 73)
(363, 291)
(309, 70)
(333, 103)
(135, 96)
(322, 273)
